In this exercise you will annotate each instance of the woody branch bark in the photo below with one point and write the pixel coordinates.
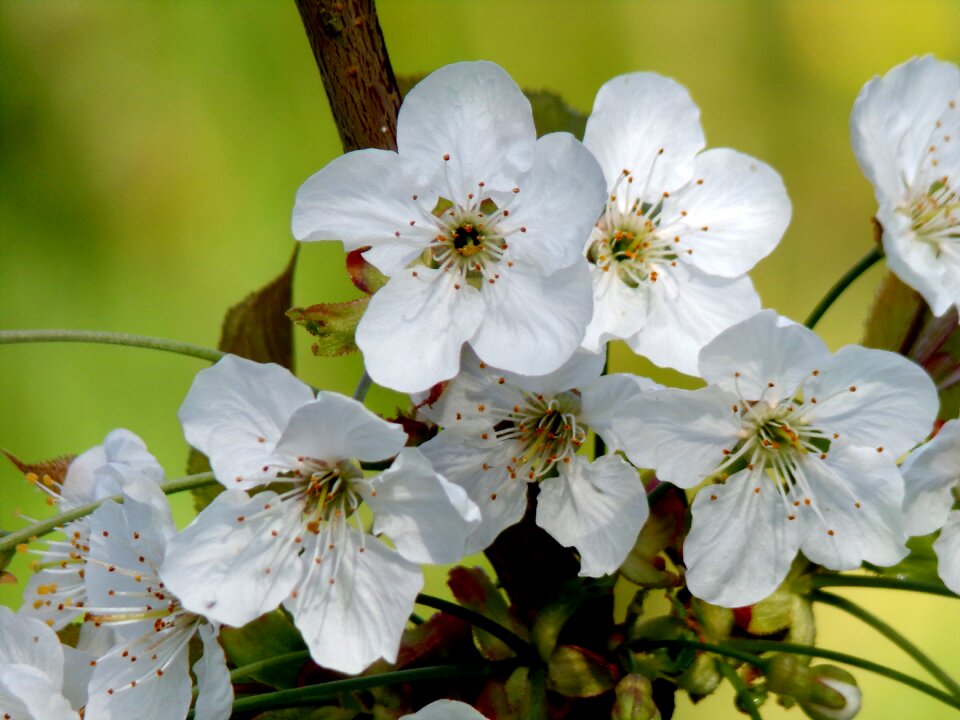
(348, 46)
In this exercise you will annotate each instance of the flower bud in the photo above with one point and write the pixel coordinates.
(834, 695)
(634, 700)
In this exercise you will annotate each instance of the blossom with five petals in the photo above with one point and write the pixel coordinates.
(503, 431)
(906, 136)
(804, 443)
(479, 225)
(349, 593)
(681, 227)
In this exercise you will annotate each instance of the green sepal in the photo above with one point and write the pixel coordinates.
(551, 619)
(268, 636)
(634, 699)
(332, 324)
(579, 673)
(362, 274)
(644, 565)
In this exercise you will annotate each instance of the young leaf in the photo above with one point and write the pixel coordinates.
(268, 636)
(333, 325)
(578, 672)
(364, 275)
(51, 472)
(474, 590)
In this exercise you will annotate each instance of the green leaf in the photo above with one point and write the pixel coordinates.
(268, 636)
(522, 696)
(552, 114)
(257, 328)
(551, 619)
(324, 713)
(919, 566)
(474, 590)
(577, 672)
(333, 325)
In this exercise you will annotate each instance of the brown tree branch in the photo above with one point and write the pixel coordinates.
(348, 46)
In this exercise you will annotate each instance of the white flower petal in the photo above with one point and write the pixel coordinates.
(218, 566)
(604, 401)
(78, 484)
(560, 199)
(474, 113)
(873, 398)
(361, 198)
(29, 694)
(533, 323)
(597, 507)
(77, 671)
(741, 544)
(947, 548)
(335, 427)
(28, 641)
(502, 499)
(352, 609)
(445, 710)
(929, 474)
(735, 217)
(234, 404)
(427, 518)
(636, 116)
(414, 327)
(680, 433)
(855, 513)
(702, 306)
(125, 682)
(215, 692)
(762, 350)
(895, 117)
(619, 311)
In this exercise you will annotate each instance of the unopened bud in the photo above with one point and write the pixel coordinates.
(834, 695)
(634, 700)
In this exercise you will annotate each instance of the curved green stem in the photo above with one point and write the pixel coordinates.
(824, 581)
(725, 650)
(524, 650)
(892, 635)
(247, 671)
(109, 338)
(863, 264)
(31, 533)
(740, 688)
(853, 660)
(363, 387)
(299, 697)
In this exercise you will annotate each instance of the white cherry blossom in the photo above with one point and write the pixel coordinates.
(478, 224)
(306, 547)
(56, 593)
(146, 673)
(932, 477)
(503, 431)
(681, 227)
(40, 679)
(799, 447)
(906, 136)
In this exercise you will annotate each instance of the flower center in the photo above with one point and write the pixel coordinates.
(628, 241)
(933, 213)
(545, 432)
(328, 490)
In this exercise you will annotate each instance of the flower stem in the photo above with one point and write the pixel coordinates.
(736, 682)
(524, 650)
(246, 671)
(853, 660)
(725, 650)
(363, 387)
(863, 264)
(892, 635)
(824, 581)
(31, 533)
(109, 338)
(299, 697)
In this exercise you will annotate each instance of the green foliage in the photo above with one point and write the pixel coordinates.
(552, 114)
(474, 590)
(580, 673)
(268, 636)
(332, 324)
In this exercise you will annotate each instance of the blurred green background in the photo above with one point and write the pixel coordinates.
(149, 153)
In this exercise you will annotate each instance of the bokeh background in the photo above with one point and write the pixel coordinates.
(149, 153)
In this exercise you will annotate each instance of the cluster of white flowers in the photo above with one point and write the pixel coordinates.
(512, 262)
